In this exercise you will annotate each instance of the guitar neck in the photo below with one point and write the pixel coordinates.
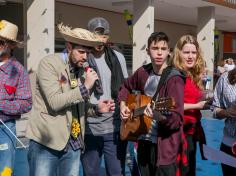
(164, 105)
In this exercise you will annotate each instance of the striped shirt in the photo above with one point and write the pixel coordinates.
(15, 91)
(224, 96)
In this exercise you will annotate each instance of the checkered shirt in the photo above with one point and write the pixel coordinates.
(76, 144)
(14, 103)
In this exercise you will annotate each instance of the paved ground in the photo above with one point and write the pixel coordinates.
(213, 129)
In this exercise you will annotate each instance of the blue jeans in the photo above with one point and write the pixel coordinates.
(44, 161)
(7, 145)
(95, 147)
(128, 157)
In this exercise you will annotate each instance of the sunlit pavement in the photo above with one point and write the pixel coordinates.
(213, 130)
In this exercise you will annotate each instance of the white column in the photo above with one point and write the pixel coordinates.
(205, 36)
(39, 41)
(40, 31)
(143, 26)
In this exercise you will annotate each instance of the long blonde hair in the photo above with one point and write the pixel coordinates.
(195, 72)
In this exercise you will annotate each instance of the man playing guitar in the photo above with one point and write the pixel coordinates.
(158, 149)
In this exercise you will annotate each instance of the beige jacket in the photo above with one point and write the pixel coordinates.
(51, 118)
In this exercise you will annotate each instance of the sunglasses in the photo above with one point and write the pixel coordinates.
(2, 42)
(100, 31)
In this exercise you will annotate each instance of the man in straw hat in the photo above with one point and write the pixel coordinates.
(15, 94)
(62, 85)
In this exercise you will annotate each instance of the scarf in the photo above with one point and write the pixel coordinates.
(117, 76)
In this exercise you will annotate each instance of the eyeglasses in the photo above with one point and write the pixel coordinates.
(101, 31)
(6, 42)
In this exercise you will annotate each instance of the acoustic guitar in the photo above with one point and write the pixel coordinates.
(138, 124)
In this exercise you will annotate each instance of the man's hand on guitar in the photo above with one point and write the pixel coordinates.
(153, 113)
(124, 111)
(148, 110)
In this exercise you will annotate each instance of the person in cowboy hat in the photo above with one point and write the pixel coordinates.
(57, 126)
(15, 94)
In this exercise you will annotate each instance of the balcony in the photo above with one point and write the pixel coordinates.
(226, 3)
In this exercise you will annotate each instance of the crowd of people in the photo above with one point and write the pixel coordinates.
(80, 99)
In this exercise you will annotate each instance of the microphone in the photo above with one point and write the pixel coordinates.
(97, 84)
(86, 66)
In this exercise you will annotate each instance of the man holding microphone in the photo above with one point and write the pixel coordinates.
(56, 128)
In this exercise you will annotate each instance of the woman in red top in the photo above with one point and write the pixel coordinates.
(187, 56)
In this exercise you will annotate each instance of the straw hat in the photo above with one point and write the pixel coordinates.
(79, 36)
(8, 31)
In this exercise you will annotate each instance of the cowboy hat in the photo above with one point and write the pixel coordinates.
(8, 31)
(79, 36)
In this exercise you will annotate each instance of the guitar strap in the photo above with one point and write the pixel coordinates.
(166, 72)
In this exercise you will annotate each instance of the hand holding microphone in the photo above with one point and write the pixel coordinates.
(98, 84)
(91, 76)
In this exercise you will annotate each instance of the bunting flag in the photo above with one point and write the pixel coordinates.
(128, 17)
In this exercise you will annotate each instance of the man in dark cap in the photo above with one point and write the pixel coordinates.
(102, 130)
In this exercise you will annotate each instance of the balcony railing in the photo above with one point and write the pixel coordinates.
(230, 1)
(226, 3)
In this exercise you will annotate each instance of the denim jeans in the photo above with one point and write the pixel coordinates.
(128, 157)
(44, 161)
(95, 147)
(7, 146)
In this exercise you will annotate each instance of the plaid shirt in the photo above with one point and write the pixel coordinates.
(224, 97)
(15, 91)
(78, 143)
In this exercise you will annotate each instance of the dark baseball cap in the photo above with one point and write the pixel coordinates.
(99, 25)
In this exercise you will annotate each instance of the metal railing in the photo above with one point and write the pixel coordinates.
(230, 1)
(225, 3)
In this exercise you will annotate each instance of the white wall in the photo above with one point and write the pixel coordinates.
(174, 30)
